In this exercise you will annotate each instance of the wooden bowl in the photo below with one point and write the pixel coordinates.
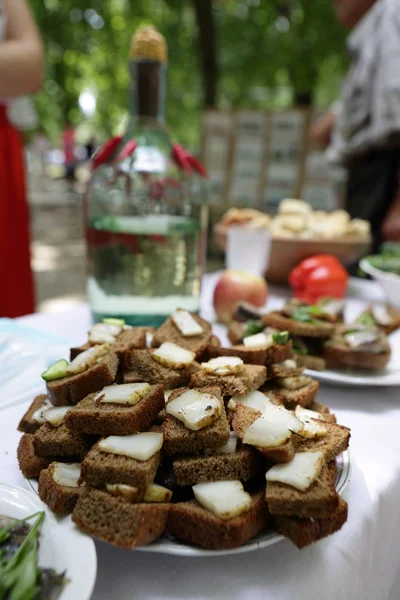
(286, 253)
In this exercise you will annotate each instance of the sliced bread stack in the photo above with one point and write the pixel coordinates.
(172, 450)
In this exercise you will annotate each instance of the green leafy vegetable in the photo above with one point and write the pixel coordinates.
(300, 351)
(281, 337)
(305, 314)
(253, 327)
(18, 575)
(367, 319)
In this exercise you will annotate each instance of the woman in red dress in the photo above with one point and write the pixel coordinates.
(21, 61)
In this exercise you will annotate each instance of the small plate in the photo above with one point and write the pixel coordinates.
(62, 546)
(167, 545)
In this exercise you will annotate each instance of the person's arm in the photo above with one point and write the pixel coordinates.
(321, 130)
(21, 54)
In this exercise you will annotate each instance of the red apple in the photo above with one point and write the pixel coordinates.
(234, 286)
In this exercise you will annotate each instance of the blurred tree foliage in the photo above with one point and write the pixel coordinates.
(223, 53)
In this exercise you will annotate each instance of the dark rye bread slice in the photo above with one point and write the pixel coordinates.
(318, 501)
(303, 532)
(255, 356)
(99, 468)
(29, 463)
(118, 522)
(236, 330)
(282, 323)
(127, 340)
(60, 498)
(279, 370)
(304, 396)
(60, 441)
(89, 416)
(243, 417)
(141, 365)
(178, 439)
(72, 389)
(332, 444)
(338, 355)
(324, 411)
(309, 361)
(243, 464)
(191, 523)
(236, 384)
(27, 423)
(169, 332)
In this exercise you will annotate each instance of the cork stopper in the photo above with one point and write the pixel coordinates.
(148, 43)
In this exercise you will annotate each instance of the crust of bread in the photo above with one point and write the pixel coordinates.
(243, 417)
(193, 524)
(339, 355)
(115, 419)
(251, 378)
(72, 389)
(60, 498)
(255, 356)
(27, 424)
(303, 396)
(113, 520)
(279, 321)
(168, 332)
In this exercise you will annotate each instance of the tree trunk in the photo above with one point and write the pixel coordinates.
(207, 40)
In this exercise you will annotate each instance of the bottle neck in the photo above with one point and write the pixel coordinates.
(148, 92)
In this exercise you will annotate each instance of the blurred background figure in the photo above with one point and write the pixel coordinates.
(363, 128)
(21, 61)
(68, 145)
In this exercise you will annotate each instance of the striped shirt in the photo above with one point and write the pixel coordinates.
(368, 115)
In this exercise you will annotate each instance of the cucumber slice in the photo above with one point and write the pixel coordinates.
(56, 370)
(281, 338)
(111, 321)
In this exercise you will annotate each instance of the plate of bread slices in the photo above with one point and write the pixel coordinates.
(364, 351)
(162, 440)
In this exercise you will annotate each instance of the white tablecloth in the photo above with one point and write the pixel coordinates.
(361, 562)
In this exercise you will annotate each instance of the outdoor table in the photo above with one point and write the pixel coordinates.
(361, 562)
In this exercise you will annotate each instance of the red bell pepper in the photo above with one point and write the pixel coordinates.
(317, 277)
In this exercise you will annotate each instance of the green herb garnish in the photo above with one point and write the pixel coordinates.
(282, 337)
(305, 314)
(19, 574)
(253, 327)
(367, 319)
(300, 351)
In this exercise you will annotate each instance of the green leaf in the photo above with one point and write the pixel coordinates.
(300, 351)
(253, 327)
(304, 314)
(281, 338)
(367, 319)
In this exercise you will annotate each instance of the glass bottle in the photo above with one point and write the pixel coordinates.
(145, 210)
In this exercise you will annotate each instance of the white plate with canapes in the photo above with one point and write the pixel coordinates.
(62, 546)
(167, 545)
(389, 376)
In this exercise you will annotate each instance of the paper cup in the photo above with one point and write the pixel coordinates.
(248, 249)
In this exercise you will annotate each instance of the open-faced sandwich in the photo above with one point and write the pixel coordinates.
(176, 435)
(357, 345)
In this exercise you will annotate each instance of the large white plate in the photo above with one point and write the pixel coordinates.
(62, 546)
(390, 376)
(167, 545)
